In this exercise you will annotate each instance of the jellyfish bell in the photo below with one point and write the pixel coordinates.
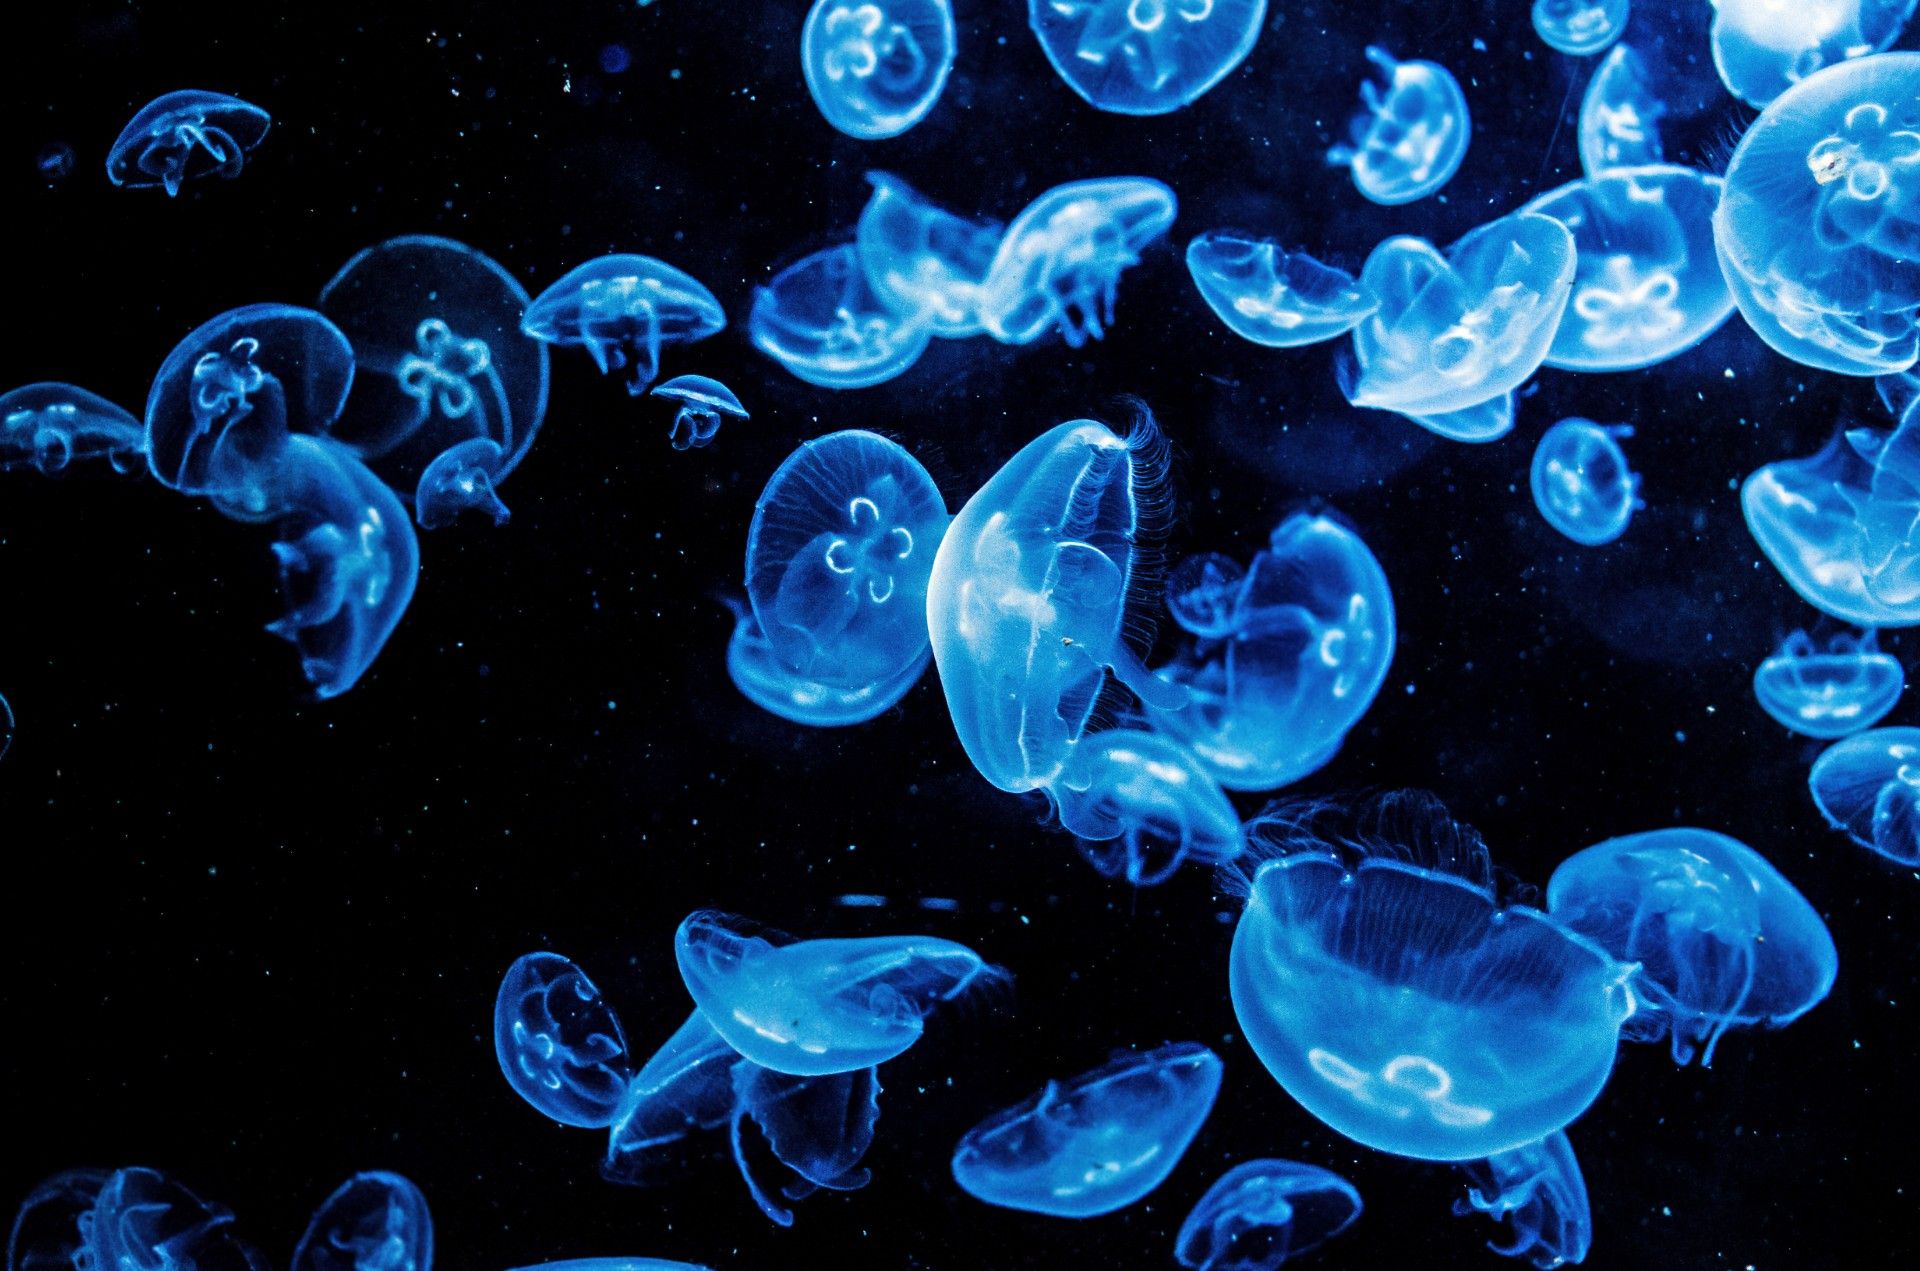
(1259, 1214)
(623, 309)
(704, 402)
(821, 319)
(1412, 135)
(1619, 125)
(1141, 804)
(376, 1221)
(876, 67)
(1868, 787)
(1059, 264)
(50, 426)
(1145, 57)
(1762, 48)
(183, 135)
(1579, 28)
(1581, 482)
(1273, 297)
(1830, 691)
(559, 1043)
(923, 260)
(1538, 1190)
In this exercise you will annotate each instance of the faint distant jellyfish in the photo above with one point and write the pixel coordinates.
(1145, 57)
(1411, 138)
(1258, 1215)
(559, 1043)
(374, 1222)
(704, 402)
(1581, 482)
(1868, 787)
(6, 726)
(141, 1218)
(822, 320)
(1279, 299)
(1763, 47)
(1141, 804)
(1096, 1142)
(50, 1229)
(1579, 27)
(1538, 1190)
(1202, 593)
(1848, 686)
(54, 162)
(1619, 115)
(876, 67)
(623, 310)
(183, 135)
(922, 260)
(816, 1131)
(50, 426)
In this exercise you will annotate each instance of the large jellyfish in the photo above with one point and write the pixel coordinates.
(1764, 47)
(1868, 786)
(1141, 804)
(373, 1222)
(1580, 27)
(128, 1220)
(1258, 1215)
(876, 67)
(623, 310)
(1538, 1191)
(1094, 1143)
(1581, 482)
(179, 136)
(1845, 687)
(558, 1042)
(52, 425)
(1145, 57)
(1620, 115)
(1410, 139)
(1719, 938)
(822, 320)
(922, 260)
(1277, 298)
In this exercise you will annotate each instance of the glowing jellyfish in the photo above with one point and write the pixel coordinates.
(374, 1222)
(764, 678)
(1456, 334)
(921, 259)
(1141, 804)
(1411, 138)
(1764, 47)
(1719, 938)
(1848, 686)
(1581, 482)
(128, 1219)
(613, 1264)
(179, 136)
(704, 402)
(1538, 1190)
(684, 1089)
(52, 425)
(1203, 592)
(1273, 297)
(1059, 265)
(6, 726)
(876, 67)
(816, 1129)
(1028, 594)
(1580, 27)
(1868, 786)
(1647, 285)
(559, 1043)
(1619, 115)
(47, 1230)
(822, 320)
(1817, 217)
(1145, 57)
(1096, 1142)
(1258, 1215)
(623, 310)
(1298, 650)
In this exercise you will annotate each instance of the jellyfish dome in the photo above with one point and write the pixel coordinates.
(704, 403)
(130, 1218)
(1830, 692)
(1581, 482)
(876, 67)
(1258, 1215)
(6, 726)
(685, 1088)
(1580, 27)
(623, 310)
(1141, 804)
(1619, 124)
(1762, 48)
(1817, 215)
(374, 1222)
(1411, 137)
(183, 135)
(613, 1264)
(822, 320)
(1539, 1191)
(50, 426)
(1202, 592)
(1145, 57)
(1721, 939)
(1277, 298)
(1868, 787)
(764, 678)
(1094, 1143)
(922, 260)
(558, 1042)
(48, 1230)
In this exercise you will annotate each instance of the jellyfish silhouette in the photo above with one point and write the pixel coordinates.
(1410, 139)
(1258, 1215)
(50, 426)
(1581, 482)
(53, 1223)
(1580, 27)
(922, 260)
(183, 135)
(1619, 124)
(558, 1042)
(1141, 804)
(1764, 47)
(1845, 687)
(1537, 1189)
(1277, 298)
(876, 67)
(822, 320)
(1868, 787)
(704, 402)
(373, 1222)
(1145, 57)
(129, 1218)
(623, 310)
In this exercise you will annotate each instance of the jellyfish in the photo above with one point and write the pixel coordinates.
(1059, 264)
(50, 1231)
(623, 310)
(1258, 1215)
(1096, 1142)
(1718, 938)
(1620, 116)
(1762, 48)
(1828, 693)
(822, 320)
(684, 1089)
(130, 1218)
(1647, 285)
(1277, 298)
(765, 679)
(613, 1264)
(51, 425)
(1581, 482)
(922, 260)
(6, 726)
(373, 1222)
(1538, 1190)
(704, 402)
(1580, 27)
(559, 1043)
(1868, 787)
(179, 136)
(876, 67)
(1815, 223)
(1145, 57)
(1410, 139)
(1202, 592)
(1141, 804)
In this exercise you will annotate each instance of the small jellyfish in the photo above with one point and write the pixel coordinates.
(6, 726)
(1258, 1215)
(1145, 57)
(1828, 693)
(559, 1043)
(1620, 115)
(1277, 298)
(1141, 804)
(1868, 787)
(374, 1222)
(922, 260)
(179, 136)
(614, 1264)
(1537, 1189)
(54, 162)
(822, 320)
(1764, 47)
(1202, 592)
(1096, 1142)
(1580, 27)
(623, 309)
(51, 425)
(50, 1231)
(128, 1219)
(1059, 264)
(876, 67)
(1410, 139)
(704, 402)
(1581, 482)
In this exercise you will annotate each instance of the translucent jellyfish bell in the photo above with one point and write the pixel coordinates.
(822, 320)
(1258, 1215)
(1763, 47)
(1277, 298)
(876, 67)
(1580, 27)
(704, 402)
(183, 135)
(1203, 591)
(1094, 1143)
(1868, 787)
(47, 1232)
(1410, 139)
(6, 726)
(922, 260)
(1848, 686)
(558, 1042)
(623, 310)
(131, 1218)
(1581, 482)
(684, 1089)
(52, 425)
(613, 1264)
(1145, 57)
(1538, 1189)
(1141, 804)
(374, 1222)
(1620, 116)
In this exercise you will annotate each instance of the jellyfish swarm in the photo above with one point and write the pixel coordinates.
(558, 1042)
(1581, 482)
(1868, 787)
(923, 261)
(1539, 1191)
(179, 136)
(1817, 215)
(704, 402)
(1827, 693)
(623, 310)
(1410, 139)
(1094, 1143)
(1277, 298)
(1619, 124)
(374, 1222)
(1762, 48)
(49, 426)
(1059, 264)
(1580, 27)
(130, 1218)
(1258, 1215)
(1145, 57)
(822, 320)
(1720, 938)
(876, 67)
(1141, 804)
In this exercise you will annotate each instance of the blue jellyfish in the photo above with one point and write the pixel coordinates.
(1455, 334)
(1258, 1215)
(1096, 1142)
(1580, 27)
(1646, 285)
(1202, 592)
(50, 1231)
(1059, 264)
(559, 1043)
(1298, 650)
(1401, 1004)
(373, 1222)
(1827, 693)
(704, 402)
(1868, 787)
(816, 1129)
(1762, 48)
(1410, 139)
(764, 678)
(130, 1218)
(1718, 937)
(1620, 115)
(6, 726)
(1277, 298)
(684, 1089)
(51, 425)
(613, 1264)
(1145, 57)
(1141, 804)
(822, 320)
(922, 260)
(1538, 1190)
(1581, 482)
(1814, 225)
(182, 135)
(876, 67)
(623, 310)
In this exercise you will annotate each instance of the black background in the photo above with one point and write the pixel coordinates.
(255, 941)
